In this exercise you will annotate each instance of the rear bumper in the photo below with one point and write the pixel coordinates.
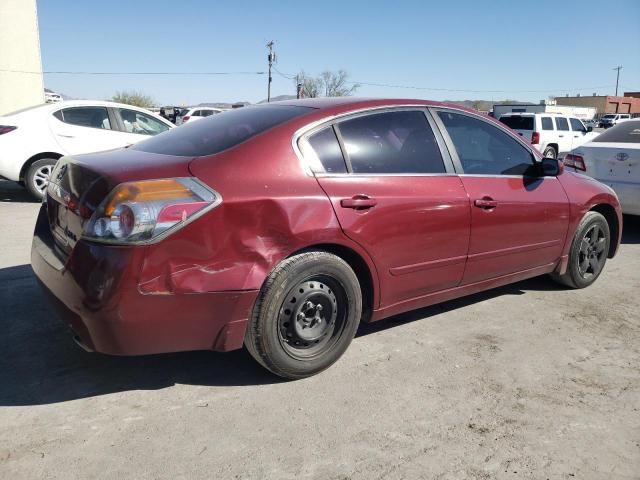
(95, 291)
(628, 194)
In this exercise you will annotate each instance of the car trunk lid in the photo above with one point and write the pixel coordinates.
(611, 161)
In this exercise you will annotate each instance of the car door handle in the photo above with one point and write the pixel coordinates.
(66, 136)
(358, 202)
(486, 203)
(561, 136)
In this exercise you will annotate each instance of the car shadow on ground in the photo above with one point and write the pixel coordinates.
(43, 365)
(13, 192)
(631, 229)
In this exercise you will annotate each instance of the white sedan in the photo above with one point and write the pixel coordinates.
(196, 113)
(33, 139)
(613, 158)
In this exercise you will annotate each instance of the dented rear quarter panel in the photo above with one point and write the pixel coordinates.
(270, 209)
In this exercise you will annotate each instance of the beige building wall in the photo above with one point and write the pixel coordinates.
(21, 83)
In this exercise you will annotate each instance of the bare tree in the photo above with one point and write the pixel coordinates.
(311, 86)
(336, 84)
(137, 99)
(331, 84)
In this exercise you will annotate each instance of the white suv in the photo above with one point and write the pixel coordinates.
(611, 119)
(552, 134)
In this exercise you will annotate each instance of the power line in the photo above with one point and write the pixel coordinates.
(69, 72)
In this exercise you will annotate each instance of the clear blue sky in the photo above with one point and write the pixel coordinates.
(555, 46)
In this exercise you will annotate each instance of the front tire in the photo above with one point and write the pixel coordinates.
(305, 316)
(588, 253)
(37, 176)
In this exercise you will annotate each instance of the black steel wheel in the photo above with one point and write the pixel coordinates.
(589, 251)
(305, 315)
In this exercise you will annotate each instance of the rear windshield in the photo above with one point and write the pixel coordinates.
(627, 132)
(219, 132)
(518, 122)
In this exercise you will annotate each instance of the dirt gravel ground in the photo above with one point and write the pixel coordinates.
(525, 381)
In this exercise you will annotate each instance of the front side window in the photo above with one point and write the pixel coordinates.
(547, 123)
(562, 123)
(140, 123)
(93, 117)
(325, 146)
(391, 142)
(576, 125)
(484, 149)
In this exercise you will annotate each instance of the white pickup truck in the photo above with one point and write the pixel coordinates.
(553, 134)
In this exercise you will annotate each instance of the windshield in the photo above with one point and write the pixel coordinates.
(626, 132)
(220, 132)
(518, 122)
(609, 116)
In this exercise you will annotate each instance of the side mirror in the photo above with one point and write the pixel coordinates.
(550, 167)
(589, 129)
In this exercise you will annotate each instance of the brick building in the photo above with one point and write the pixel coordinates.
(629, 103)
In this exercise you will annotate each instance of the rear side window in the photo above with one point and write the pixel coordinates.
(625, 132)
(576, 125)
(391, 142)
(547, 123)
(220, 132)
(484, 149)
(562, 123)
(518, 122)
(326, 147)
(93, 117)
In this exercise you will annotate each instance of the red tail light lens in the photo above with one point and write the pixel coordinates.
(184, 119)
(6, 129)
(575, 161)
(535, 138)
(146, 211)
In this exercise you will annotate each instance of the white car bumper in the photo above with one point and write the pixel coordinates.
(628, 194)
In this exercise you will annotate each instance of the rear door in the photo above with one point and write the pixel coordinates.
(564, 135)
(395, 193)
(518, 219)
(85, 129)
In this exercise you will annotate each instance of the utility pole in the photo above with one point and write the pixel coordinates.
(618, 68)
(271, 58)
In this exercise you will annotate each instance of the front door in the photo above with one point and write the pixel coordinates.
(396, 195)
(519, 219)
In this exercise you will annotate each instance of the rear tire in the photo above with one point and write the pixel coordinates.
(37, 176)
(588, 254)
(305, 316)
(550, 152)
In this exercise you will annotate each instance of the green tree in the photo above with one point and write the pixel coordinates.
(135, 98)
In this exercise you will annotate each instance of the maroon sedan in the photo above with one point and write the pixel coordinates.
(283, 226)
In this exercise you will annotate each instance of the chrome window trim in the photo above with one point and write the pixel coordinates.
(332, 120)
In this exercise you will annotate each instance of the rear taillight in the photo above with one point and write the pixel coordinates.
(145, 211)
(535, 138)
(6, 129)
(575, 161)
(184, 119)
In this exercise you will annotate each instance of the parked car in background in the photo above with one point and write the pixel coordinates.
(284, 225)
(196, 113)
(52, 97)
(611, 119)
(33, 139)
(551, 134)
(591, 123)
(614, 159)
